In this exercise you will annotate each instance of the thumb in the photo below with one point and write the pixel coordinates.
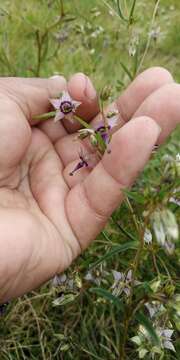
(32, 94)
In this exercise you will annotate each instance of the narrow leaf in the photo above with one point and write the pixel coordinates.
(143, 320)
(126, 71)
(116, 250)
(108, 296)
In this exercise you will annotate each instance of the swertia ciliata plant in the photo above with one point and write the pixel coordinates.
(99, 136)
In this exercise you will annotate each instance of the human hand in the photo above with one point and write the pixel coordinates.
(47, 217)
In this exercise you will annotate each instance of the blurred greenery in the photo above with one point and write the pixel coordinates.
(47, 37)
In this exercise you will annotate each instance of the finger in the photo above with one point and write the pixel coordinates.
(32, 99)
(145, 84)
(81, 89)
(164, 107)
(90, 203)
(127, 104)
(15, 138)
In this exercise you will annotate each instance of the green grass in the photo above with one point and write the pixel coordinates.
(91, 327)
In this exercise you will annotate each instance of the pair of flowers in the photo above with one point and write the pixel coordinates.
(99, 136)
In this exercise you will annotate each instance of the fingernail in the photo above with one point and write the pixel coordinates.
(89, 90)
(55, 76)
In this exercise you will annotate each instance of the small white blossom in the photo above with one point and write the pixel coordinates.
(155, 33)
(65, 106)
(122, 283)
(147, 236)
(165, 335)
(165, 228)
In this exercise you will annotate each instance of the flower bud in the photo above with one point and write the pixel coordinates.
(93, 140)
(105, 93)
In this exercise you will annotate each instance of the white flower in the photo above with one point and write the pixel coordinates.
(59, 280)
(65, 106)
(165, 335)
(155, 33)
(121, 283)
(165, 228)
(147, 236)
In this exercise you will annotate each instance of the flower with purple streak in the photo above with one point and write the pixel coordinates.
(65, 106)
(122, 282)
(86, 160)
(112, 120)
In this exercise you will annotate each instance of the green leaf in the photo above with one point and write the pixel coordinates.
(126, 71)
(143, 320)
(132, 12)
(120, 11)
(134, 196)
(108, 296)
(116, 250)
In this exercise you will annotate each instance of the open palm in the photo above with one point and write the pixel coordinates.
(47, 217)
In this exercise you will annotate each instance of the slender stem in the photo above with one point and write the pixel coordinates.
(39, 49)
(45, 116)
(133, 214)
(149, 38)
(132, 12)
(82, 122)
(124, 231)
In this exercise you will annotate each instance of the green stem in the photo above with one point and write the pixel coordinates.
(45, 116)
(132, 12)
(82, 122)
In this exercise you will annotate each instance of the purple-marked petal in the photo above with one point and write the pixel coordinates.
(127, 291)
(59, 116)
(129, 275)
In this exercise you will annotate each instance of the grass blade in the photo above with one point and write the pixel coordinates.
(108, 296)
(143, 320)
(133, 245)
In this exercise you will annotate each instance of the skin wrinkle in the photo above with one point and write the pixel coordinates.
(21, 103)
(71, 227)
(13, 179)
(50, 220)
(116, 183)
(85, 199)
(122, 112)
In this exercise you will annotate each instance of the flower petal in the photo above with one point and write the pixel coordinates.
(127, 291)
(55, 103)
(169, 345)
(167, 333)
(59, 116)
(113, 121)
(76, 104)
(65, 97)
(129, 275)
(117, 275)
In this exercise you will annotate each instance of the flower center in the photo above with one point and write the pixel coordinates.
(66, 107)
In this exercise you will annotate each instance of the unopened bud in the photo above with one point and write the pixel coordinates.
(93, 140)
(105, 93)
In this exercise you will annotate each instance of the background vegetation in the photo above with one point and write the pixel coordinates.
(42, 38)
